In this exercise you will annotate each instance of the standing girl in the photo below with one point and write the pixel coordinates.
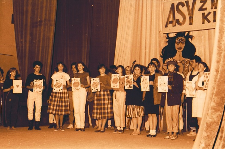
(80, 95)
(12, 99)
(103, 108)
(198, 102)
(152, 99)
(119, 97)
(59, 103)
(135, 109)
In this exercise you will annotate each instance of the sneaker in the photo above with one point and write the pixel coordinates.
(120, 131)
(70, 126)
(57, 129)
(192, 133)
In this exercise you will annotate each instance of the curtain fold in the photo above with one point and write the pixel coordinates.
(72, 41)
(140, 36)
(34, 33)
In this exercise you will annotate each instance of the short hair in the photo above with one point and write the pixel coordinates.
(85, 67)
(101, 66)
(196, 58)
(151, 63)
(37, 63)
(156, 59)
(73, 63)
(139, 66)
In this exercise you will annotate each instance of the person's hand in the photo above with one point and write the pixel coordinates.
(136, 84)
(31, 83)
(11, 87)
(151, 82)
(169, 87)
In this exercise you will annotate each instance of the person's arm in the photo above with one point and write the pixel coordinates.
(8, 89)
(88, 82)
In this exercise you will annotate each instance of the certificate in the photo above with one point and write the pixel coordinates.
(190, 89)
(75, 84)
(115, 81)
(38, 86)
(163, 84)
(145, 83)
(17, 86)
(57, 85)
(95, 84)
(128, 81)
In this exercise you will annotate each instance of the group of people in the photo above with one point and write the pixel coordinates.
(119, 104)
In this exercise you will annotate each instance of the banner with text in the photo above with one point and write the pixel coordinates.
(189, 15)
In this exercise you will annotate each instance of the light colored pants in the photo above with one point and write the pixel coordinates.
(71, 115)
(51, 119)
(119, 108)
(172, 113)
(34, 97)
(79, 101)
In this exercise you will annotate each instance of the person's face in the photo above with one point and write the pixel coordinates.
(128, 71)
(151, 68)
(171, 67)
(74, 70)
(179, 44)
(119, 70)
(80, 67)
(137, 71)
(60, 67)
(13, 73)
(102, 70)
(193, 63)
(37, 68)
(201, 68)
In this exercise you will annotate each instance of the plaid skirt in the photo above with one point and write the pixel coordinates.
(59, 103)
(134, 111)
(103, 107)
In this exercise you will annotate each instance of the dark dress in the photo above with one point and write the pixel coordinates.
(150, 108)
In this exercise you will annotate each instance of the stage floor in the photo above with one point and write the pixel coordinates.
(47, 138)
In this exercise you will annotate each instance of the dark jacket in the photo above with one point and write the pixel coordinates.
(173, 95)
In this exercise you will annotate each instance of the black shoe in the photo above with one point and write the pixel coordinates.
(149, 135)
(82, 129)
(37, 124)
(51, 126)
(154, 135)
(30, 125)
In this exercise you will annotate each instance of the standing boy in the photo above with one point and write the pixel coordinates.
(172, 99)
(35, 97)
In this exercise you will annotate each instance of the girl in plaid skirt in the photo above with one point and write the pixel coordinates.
(59, 100)
(103, 108)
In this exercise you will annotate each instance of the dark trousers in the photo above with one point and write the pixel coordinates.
(93, 121)
(191, 121)
(12, 102)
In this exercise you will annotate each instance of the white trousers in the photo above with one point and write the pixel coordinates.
(34, 97)
(79, 102)
(119, 108)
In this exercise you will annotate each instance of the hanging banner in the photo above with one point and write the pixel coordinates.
(189, 15)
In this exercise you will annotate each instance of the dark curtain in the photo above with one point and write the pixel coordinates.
(103, 33)
(34, 22)
(72, 39)
(86, 31)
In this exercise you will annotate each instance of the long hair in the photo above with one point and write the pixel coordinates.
(170, 51)
(8, 74)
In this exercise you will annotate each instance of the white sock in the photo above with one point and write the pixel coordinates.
(150, 132)
(153, 132)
